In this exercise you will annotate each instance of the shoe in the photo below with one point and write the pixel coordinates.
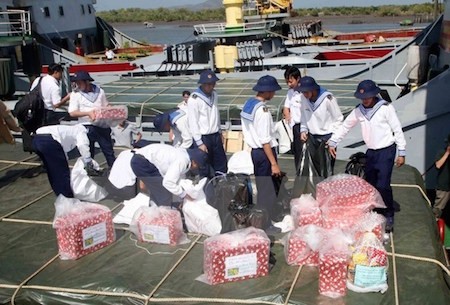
(389, 224)
(272, 230)
(91, 171)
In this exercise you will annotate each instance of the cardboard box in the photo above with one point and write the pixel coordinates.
(234, 141)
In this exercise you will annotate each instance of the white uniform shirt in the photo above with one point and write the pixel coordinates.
(51, 92)
(261, 130)
(284, 136)
(172, 163)
(293, 101)
(123, 136)
(86, 102)
(380, 131)
(324, 119)
(69, 136)
(180, 126)
(203, 115)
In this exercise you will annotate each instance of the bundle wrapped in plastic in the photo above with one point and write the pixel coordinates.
(161, 225)
(371, 222)
(367, 271)
(81, 227)
(236, 256)
(301, 246)
(333, 261)
(344, 218)
(305, 210)
(348, 191)
(110, 116)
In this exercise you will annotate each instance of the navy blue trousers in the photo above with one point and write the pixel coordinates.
(379, 166)
(265, 184)
(103, 137)
(150, 175)
(321, 158)
(298, 145)
(216, 154)
(54, 159)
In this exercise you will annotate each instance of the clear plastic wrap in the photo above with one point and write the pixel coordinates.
(81, 227)
(301, 245)
(367, 271)
(344, 218)
(110, 116)
(305, 210)
(235, 256)
(371, 222)
(348, 191)
(161, 225)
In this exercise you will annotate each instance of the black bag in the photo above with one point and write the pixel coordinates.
(30, 111)
(356, 164)
(231, 195)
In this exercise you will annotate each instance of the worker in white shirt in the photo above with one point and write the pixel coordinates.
(183, 104)
(204, 121)
(177, 122)
(160, 167)
(85, 100)
(52, 143)
(259, 134)
(383, 135)
(292, 112)
(51, 94)
(109, 54)
(320, 117)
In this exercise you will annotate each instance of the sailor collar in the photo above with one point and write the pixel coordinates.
(323, 94)
(368, 113)
(199, 94)
(250, 107)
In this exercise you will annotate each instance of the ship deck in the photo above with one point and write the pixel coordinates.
(130, 272)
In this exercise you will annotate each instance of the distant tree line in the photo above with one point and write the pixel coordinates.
(182, 14)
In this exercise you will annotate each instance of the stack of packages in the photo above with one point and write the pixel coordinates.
(110, 116)
(325, 228)
(235, 256)
(81, 227)
(161, 225)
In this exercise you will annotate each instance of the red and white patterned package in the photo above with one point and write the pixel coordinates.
(334, 254)
(81, 227)
(348, 191)
(333, 274)
(161, 225)
(235, 256)
(110, 116)
(345, 218)
(300, 246)
(305, 210)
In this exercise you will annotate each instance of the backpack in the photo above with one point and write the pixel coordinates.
(356, 164)
(231, 194)
(30, 110)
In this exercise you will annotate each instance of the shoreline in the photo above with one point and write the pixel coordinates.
(326, 20)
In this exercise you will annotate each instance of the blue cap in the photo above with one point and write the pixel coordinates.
(160, 122)
(199, 156)
(81, 75)
(307, 83)
(267, 83)
(207, 77)
(367, 89)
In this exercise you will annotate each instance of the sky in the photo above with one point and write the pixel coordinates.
(104, 5)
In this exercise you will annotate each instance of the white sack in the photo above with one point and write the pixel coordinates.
(84, 188)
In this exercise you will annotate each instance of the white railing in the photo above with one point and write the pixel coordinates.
(15, 23)
(220, 28)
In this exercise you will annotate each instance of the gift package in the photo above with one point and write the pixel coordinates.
(81, 227)
(305, 210)
(110, 116)
(235, 256)
(301, 246)
(161, 225)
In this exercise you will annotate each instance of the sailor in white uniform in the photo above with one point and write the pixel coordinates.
(259, 134)
(160, 167)
(320, 117)
(383, 135)
(52, 143)
(204, 121)
(292, 111)
(177, 121)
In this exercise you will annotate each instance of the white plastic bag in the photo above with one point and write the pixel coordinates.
(84, 188)
(199, 216)
(131, 206)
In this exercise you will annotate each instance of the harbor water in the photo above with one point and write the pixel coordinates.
(171, 33)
